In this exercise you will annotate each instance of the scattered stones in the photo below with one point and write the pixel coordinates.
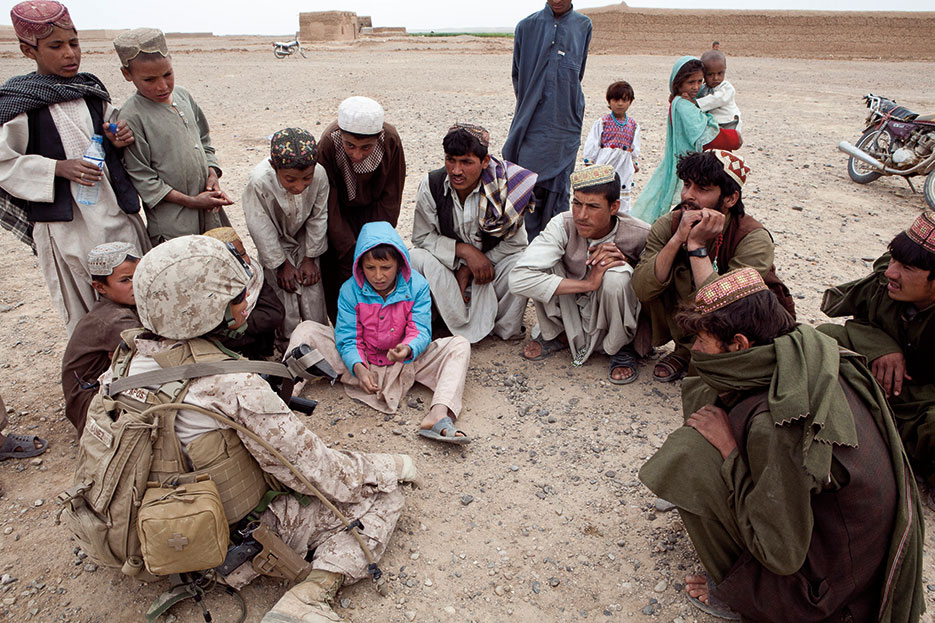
(553, 582)
(449, 610)
(428, 581)
(345, 602)
(410, 615)
(650, 609)
(663, 506)
(6, 578)
(499, 590)
(8, 530)
(90, 567)
(535, 587)
(661, 586)
(38, 502)
(466, 499)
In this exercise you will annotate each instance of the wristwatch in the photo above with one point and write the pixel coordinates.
(699, 252)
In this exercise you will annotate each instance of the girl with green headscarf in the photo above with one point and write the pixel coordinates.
(688, 129)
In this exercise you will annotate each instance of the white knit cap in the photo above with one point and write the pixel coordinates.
(360, 115)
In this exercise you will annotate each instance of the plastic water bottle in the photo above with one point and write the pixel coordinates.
(87, 195)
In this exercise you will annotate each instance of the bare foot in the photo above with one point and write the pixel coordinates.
(622, 372)
(697, 587)
(436, 415)
(532, 350)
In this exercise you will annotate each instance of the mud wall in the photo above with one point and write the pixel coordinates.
(328, 26)
(620, 29)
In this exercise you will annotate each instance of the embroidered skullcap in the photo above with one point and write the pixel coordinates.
(733, 164)
(360, 115)
(104, 258)
(730, 288)
(292, 148)
(138, 41)
(482, 135)
(224, 234)
(35, 19)
(183, 286)
(592, 176)
(922, 231)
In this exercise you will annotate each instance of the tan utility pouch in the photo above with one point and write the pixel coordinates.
(182, 529)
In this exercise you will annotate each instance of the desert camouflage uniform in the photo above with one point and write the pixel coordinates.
(363, 486)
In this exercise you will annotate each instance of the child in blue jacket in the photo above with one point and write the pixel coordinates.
(382, 341)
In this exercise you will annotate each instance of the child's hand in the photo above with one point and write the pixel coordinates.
(400, 352)
(636, 168)
(79, 171)
(308, 272)
(286, 276)
(365, 378)
(210, 200)
(123, 136)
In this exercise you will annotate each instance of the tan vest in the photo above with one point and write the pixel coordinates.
(630, 238)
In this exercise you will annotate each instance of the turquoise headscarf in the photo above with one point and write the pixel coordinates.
(688, 129)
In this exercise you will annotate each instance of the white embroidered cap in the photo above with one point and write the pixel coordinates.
(360, 115)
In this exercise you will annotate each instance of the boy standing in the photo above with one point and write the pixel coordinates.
(97, 335)
(285, 204)
(578, 271)
(717, 94)
(48, 118)
(615, 140)
(468, 233)
(172, 162)
(366, 168)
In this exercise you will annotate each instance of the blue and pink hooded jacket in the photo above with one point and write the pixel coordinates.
(368, 326)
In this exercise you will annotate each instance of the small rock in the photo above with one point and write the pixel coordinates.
(449, 610)
(498, 589)
(428, 581)
(8, 530)
(6, 578)
(663, 506)
(648, 609)
(610, 473)
(466, 499)
(345, 602)
(38, 503)
(410, 615)
(553, 582)
(413, 556)
(552, 419)
(90, 567)
(535, 587)
(37, 461)
(397, 431)
(661, 586)
(931, 587)
(9, 601)
(514, 468)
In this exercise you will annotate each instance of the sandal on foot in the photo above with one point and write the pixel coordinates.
(625, 358)
(446, 431)
(715, 607)
(25, 443)
(675, 365)
(546, 348)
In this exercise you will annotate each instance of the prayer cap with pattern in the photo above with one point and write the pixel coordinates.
(593, 176)
(292, 148)
(104, 258)
(35, 19)
(360, 115)
(138, 41)
(482, 135)
(730, 288)
(922, 231)
(733, 164)
(184, 286)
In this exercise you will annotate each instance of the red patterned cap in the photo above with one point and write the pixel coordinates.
(34, 19)
(730, 288)
(922, 231)
(733, 164)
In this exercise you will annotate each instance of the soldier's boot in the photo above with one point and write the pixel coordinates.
(309, 601)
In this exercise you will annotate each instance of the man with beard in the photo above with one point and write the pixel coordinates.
(707, 235)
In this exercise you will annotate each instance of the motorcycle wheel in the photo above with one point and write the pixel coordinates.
(279, 53)
(929, 189)
(302, 52)
(875, 142)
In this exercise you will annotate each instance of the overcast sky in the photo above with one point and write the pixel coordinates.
(282, 16)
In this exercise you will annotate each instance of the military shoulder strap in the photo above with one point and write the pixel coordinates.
(196, 370)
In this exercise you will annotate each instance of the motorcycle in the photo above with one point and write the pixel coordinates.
(282, 49)
(896, 141)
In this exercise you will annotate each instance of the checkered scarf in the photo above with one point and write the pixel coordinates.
(27, 93)
(507, 195)
(349, 169)
(33, 91)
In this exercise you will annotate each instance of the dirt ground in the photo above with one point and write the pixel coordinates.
(542, 517)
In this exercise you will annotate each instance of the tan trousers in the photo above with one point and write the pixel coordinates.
(442, 367)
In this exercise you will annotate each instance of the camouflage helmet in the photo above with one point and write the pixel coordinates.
(183, 286)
